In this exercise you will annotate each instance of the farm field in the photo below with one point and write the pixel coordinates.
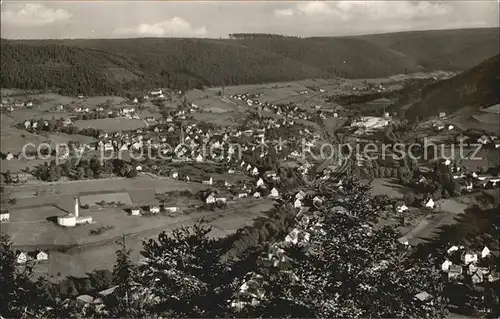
(450, 212)
(71, 188)
(387, 186)
(224, 119)
(84, 259)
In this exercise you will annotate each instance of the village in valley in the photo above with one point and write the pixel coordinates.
(104, 167)
(339, 160)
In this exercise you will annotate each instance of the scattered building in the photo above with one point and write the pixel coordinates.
(135, 211)
(21, 258)
(274, 193)
(154, 209)
(4, 216)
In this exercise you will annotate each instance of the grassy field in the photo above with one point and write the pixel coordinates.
(13, 139)
(389, 187)
(111, 124)
(30, 215)
(224, 119)
(77, 262)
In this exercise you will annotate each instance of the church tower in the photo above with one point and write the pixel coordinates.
(77, 206)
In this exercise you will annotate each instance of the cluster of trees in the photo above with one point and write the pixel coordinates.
(348, 268)
(404, 170)
(81, 169)
(394, 133)
(439, 184)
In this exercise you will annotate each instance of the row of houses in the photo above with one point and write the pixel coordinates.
(308, 221)
(37, 255)
(480, 266)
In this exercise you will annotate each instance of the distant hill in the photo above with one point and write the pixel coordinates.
(475, 88)
(344, 57)
(112, 66)
(451, 50)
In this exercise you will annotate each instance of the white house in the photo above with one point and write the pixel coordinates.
(446, 265)
(485, 252)
(300, 195)
(136, 100)
(4, 216)
(199, 158)
(154, 209)
(41, 256)
(230, 171)
(256, 195)
(242, 195)
(210, 199)
(402, 208)
(274, 193)
(430, 203)
(21, 258)
(172, 209)
(175, 175)
(260, 183)
(135, 211)
(468, 258)
(297, 203)
(9, 156)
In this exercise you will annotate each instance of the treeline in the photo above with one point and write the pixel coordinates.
(74, 286)
(242, 36)
(83, 169)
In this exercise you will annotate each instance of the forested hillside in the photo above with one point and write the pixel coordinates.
(454, 50)
(112, 66)
(477, 87)
(344, 57)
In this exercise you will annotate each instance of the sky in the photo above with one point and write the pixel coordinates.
(214, 19)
